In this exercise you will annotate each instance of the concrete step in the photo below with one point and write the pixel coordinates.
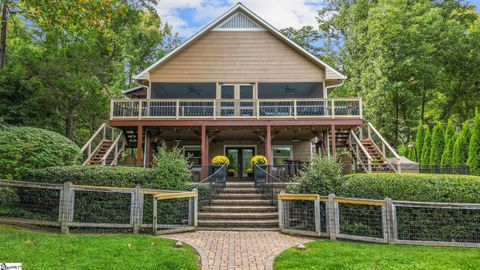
(238, 184)
(239, 196)
(241, 202)
(238, 209)
(239, 223)
(239, 190)
(237, 216)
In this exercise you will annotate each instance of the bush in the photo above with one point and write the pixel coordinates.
(24, 148)
(425, 155)
(412, 187)
(450, 138)
(437, 145)
(323, 176)
(171, 166)
(419, 141)
(460, 150)
(474, 148)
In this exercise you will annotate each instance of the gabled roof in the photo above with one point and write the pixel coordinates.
(239, 7)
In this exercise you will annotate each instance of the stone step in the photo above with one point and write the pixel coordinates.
(239, 196)
(238, 184)
(237, 216)
(241, 202)
(238, 209)
(239, 190)
(271, 223)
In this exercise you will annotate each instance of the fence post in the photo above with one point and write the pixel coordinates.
(66, 206)
(154, 215)
(317, 216)
(390, 221)
(280, 212)
(137, 212)
(193, 209)
(332, 217)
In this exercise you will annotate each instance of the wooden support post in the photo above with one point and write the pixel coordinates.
(193, 210)
(137, 216)
(204, 150)
(317, 216)
(332, 217)
(155, 202)
(334, 140)
(148, 150)
(66, 206)
(280, 212)
(390, 221)
(268, 144)
(139, 145)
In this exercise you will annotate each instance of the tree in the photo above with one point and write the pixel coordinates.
(438, 144)
(419, 141)
(426, 147)
(474, 148)
(449, 140)
(461, 149)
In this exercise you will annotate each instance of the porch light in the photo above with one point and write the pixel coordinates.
(295, 137)
(176, 140)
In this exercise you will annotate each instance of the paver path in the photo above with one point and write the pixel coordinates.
(238, 250)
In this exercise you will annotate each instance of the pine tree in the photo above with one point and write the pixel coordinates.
(426, 146)
(437, 145)
(460, 150)
(419, 141)
(474, 148)
(449, 139)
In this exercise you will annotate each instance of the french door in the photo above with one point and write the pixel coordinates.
(240, 160)
(236, 99)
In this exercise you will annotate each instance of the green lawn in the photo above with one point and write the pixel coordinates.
(39, 250)
(327, 254)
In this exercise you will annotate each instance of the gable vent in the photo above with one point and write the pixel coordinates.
(238, 22)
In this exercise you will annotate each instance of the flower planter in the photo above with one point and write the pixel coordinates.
(259, 173)
(221, 172)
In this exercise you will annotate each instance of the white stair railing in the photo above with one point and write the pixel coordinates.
(359, 146)
(103, 133)
(116, 149)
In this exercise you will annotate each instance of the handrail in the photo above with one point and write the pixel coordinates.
(383, 140)
(111, 148)
(356, 153)
(219, 170)
(93, 137)
(384, 144)
(360, 145)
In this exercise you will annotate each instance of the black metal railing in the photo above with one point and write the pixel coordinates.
(267, 183)
(215, 180)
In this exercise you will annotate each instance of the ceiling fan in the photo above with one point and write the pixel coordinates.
(192, 91)
(290, 91)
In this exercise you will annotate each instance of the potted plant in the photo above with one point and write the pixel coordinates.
(250, 172)
(231, 172)
(259, 168)
(220, 163)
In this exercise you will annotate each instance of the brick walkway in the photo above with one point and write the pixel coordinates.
(238, 250)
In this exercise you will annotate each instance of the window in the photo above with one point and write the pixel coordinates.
(281, 153)
(193, 153)
(183, 90)
(290, 90)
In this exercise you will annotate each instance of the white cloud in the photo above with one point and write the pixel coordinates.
(279, 13)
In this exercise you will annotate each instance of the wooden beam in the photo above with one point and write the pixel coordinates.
(334, 140)
(204, 138)
(268, 144)
(149, 149)
(212, 136)
(260, 136)
(139, 145)
(274, 134)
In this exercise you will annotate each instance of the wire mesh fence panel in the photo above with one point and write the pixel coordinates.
(102, 207)
(29, 203)
(437, 224)
(357, 221)
(298, 215)
(173, 213)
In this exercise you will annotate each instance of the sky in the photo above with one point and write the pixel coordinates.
(189, 16)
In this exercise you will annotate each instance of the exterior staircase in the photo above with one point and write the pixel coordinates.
(96, 159)
(239, 207)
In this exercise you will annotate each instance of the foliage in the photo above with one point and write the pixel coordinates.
(259, 160)
(419, 141)
(474, 148)
(450, 138)
(412, 187)
(323, 176)
(23, 148)
(460, 149)
(42, 250)
(438, 144)
(220, 160)
(325, 254)
(425, 158)
(169, 164)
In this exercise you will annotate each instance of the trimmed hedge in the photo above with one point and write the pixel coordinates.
(24, 148)
(412, 187)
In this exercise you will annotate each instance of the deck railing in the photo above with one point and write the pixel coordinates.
(236, 108)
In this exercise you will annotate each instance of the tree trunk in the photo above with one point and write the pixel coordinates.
(69, 125)
(3, 38)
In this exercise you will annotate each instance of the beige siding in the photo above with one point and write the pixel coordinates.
(238, 57)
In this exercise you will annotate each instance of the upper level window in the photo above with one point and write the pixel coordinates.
(183, 90)
(237, 91)
(290, 90)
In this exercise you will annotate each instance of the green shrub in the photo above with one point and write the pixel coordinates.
(474, 147)
(322, 176)
(438, 144)
(419, 141)
(412, 187)
(460, 149)
(425, 155)
(24, 148)
(171, 165)
(450, 139)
